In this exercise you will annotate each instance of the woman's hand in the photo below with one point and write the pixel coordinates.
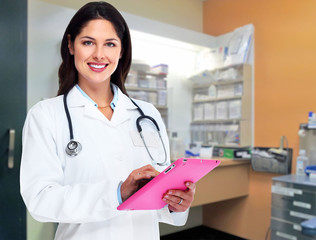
(138, 178)
(178, 200)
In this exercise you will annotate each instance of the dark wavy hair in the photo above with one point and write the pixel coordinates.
(68, 75)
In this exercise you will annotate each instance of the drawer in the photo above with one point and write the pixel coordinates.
(290, 215)
(296, 191)
(279, 235)
(295, 185)
(304, 202)
(286, 230)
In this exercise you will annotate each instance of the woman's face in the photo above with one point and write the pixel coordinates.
(97, 50)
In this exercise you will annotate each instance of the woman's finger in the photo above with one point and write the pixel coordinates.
(179, 200)
(176, 204)
(138, 178)
(146, 172)
(174, 199)
(191, 186)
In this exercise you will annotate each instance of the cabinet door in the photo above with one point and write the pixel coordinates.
(13, 17)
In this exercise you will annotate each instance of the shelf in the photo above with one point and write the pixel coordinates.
(161, 107)
(130, 88)
(216, 121)
(218, 99)
(150, 87)
(152, 74)
(222, 131)
(219, 83)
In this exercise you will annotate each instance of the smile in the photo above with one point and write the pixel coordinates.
(97, 67)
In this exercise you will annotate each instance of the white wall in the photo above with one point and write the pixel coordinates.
(46, 25)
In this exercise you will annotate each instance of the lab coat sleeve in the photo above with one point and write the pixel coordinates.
(41, 179)
(173, 218)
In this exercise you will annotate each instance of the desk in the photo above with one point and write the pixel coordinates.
(229, 180)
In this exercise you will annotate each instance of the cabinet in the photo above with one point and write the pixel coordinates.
(150, 86)
(222, 103)
(293, 201)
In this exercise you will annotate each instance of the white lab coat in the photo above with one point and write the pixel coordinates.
(80, 193)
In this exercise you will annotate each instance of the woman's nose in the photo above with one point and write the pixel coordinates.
(99, 53)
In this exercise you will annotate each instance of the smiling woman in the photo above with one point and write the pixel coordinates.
(97, 51)
(97, 28)
(81, 188)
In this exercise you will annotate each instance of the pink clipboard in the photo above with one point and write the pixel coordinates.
(149, 197)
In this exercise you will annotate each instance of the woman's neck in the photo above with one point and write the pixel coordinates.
(100, 93)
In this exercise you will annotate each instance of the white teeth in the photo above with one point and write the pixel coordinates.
(97, 66)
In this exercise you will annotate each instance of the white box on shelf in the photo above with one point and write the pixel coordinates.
(209, 111)
(235, 109)
(222, 110)
(198, 112)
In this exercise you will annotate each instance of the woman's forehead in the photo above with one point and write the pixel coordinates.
(99, 27)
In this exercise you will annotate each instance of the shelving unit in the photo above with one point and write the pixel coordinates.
(150, 87)
(221, 112)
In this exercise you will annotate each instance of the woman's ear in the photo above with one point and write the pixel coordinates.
(70, 45)
(122, 51)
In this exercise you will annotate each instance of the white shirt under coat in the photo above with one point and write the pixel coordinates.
(80, 193)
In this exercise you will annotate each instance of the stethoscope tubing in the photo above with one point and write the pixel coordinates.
(68, 117)
(75, 151)
(139, 128)
(73, 148)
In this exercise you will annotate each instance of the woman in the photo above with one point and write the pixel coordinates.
(81, 189)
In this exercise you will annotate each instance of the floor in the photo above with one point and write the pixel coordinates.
(200, 233)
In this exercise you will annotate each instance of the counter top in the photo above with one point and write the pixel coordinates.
(295, 179)
(231, 162)
(229, 180)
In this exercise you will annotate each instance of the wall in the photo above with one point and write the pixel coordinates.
(285, 88)
(188, 12)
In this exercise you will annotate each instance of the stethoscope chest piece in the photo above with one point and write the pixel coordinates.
(73, 148)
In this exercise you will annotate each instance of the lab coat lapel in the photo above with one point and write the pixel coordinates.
(122, 110)
(93, 112)
(75, 99)
(121, 113)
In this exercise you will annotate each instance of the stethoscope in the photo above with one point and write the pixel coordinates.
(73, 148)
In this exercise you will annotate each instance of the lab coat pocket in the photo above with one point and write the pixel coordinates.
(151, 140)
(87, 166)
